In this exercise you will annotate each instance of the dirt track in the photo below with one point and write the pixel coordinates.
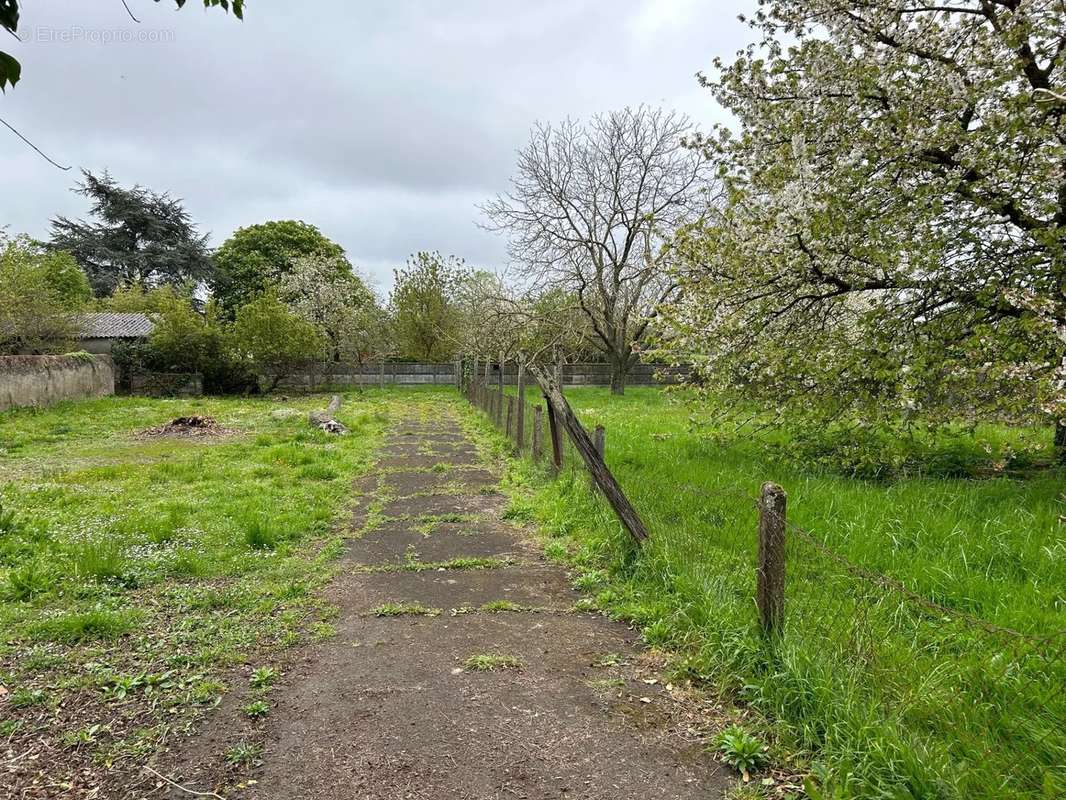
(386, 708)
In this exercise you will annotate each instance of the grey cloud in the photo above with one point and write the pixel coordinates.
(382, 122)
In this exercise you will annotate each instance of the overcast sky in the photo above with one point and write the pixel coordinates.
(383, 122)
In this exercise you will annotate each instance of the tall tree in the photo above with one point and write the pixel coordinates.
(588, 211)
(41, 293)
(324, 291)
(254, 259)
(11, 70)
(897, 220)
(141, 238)
(425, 313)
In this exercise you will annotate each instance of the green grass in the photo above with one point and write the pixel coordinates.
(881, 696)
(490, 662)
(127, 557)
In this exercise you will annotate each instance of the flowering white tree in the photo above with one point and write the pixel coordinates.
(897, 212)
(324, 291)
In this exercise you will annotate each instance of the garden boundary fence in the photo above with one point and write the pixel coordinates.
(990, 695)
(318, 375)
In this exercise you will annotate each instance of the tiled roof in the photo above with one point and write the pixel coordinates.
(114, 326)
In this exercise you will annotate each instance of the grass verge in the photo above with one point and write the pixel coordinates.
(875, 694)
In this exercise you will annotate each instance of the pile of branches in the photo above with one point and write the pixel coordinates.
(190, 427)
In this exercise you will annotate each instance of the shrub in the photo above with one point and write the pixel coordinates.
(185, 340)
(273, 340)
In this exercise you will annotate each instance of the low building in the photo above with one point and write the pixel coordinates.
(98, 332)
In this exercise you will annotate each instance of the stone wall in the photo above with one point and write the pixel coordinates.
(43, 380)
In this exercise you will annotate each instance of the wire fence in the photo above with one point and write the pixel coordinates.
(942, 702)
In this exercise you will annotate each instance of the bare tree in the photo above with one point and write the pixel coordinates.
(589, 210)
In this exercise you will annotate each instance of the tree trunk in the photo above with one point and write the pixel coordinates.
(1060, 441)
(619, 374)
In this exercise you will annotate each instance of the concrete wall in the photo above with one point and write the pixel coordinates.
(43, 380)
(100, 346)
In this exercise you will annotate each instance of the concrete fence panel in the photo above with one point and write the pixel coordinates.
(406, 374)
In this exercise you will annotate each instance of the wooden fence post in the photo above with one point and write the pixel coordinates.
(520, 421)
(598, 439)
(381, 378)
(510, 415)
(564, 416)
(770, 573)
(538, 429)
(499, 388)
(556, 435)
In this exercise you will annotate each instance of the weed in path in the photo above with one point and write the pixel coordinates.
(412, 565)
(257, 709)
(496, 606)
(740, 750)
(244, 754)
(404, 609)
(263, 677)
(488, 662)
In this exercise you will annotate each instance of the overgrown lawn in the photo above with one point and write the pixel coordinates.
(136, 572)
(881, 693)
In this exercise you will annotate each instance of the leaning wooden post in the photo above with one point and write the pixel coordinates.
(538, 429)
(520, 420)
(559, 408)
(770, 573)
(510, 415)
(598, 439)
